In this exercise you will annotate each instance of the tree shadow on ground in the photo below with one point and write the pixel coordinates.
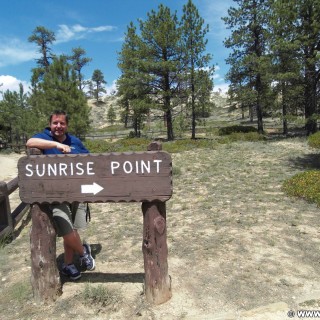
(97, 277)
(93, 277)
(307, 162)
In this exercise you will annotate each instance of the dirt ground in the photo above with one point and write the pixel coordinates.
(239, 248)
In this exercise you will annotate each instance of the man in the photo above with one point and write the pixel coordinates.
(67, 218)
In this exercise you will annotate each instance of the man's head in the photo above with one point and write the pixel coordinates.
(58, 122)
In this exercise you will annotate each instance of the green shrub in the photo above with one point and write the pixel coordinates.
(240, 136)
(187, 144)
(314, 140)
(121, 145)
(304, 185)
(101, 296)
(6, 151)
(141, 144)
(98, 146)
(236, 128)
(19, 293)
(131, 144)
(176, 171)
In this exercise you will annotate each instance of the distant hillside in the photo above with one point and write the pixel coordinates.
(99, 111)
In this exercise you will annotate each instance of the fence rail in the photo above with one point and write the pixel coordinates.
(9, 219)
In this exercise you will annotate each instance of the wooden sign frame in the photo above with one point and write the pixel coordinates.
(45, 278)
(108, 177)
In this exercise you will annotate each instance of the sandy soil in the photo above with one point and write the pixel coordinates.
(8, 165)
(238, 247)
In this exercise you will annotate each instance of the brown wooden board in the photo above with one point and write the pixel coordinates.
(108, 177)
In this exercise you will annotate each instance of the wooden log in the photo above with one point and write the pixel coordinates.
(45, 278)
(157, 283)
(6, 221)
(154, 146)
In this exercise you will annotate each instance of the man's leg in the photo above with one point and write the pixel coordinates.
(63, 220)
(79, 211)
(72, 244)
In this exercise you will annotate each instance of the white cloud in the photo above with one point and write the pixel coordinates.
(112, 88)
(223, 87)
(216, 74)
(67, 33)
(11, 83)
(13, 51)
(102, 28)
(77, 28)
(213, 11)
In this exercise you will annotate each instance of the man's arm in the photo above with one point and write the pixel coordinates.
(47, 144)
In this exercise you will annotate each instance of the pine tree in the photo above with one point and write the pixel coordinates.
(134, 97)
(98, 82)
(193, 37)
(111, 115)
(161, 60)
(250, 59)
(43, 38)
(286, 62)
(78, 61)
(14, 115)
(59, 91)
(308, 34)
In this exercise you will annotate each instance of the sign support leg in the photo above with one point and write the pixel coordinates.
(45, 278)
(157, 283)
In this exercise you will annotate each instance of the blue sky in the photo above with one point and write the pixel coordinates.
(97, 26)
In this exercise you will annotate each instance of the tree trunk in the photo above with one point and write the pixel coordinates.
(193, 104)
(45, 277)
(284, 108)
(310, 93)
(259, 105)
(170, 135)
(251, 110)
(193, 115)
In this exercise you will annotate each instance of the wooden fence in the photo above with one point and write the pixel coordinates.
(9, 219)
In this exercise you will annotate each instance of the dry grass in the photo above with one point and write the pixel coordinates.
(236, 242)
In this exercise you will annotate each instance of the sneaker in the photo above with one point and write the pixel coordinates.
(87, 259)
(71, 271)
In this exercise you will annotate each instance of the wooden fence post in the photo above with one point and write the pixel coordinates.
(157, 283)
(5, 210)
(45, 278)
(8, 219)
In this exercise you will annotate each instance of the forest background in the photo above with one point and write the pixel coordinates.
(167, 78)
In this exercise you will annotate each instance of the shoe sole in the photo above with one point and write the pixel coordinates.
(71, 277)
(93, 264)
(88, 249)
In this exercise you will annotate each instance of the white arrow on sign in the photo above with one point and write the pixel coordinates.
(91, 188)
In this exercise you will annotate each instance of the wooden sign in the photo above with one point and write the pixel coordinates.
(110, 177)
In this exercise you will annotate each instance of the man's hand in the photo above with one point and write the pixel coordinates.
(63, 148)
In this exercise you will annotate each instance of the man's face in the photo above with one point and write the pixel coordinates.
(58, 125)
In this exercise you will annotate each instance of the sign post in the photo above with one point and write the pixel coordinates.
(113, 177)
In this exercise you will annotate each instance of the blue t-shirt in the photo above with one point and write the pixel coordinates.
(75, 144)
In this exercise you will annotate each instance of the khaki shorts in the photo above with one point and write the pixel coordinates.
(69, 217)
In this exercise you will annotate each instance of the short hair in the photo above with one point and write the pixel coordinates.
(59, 113)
